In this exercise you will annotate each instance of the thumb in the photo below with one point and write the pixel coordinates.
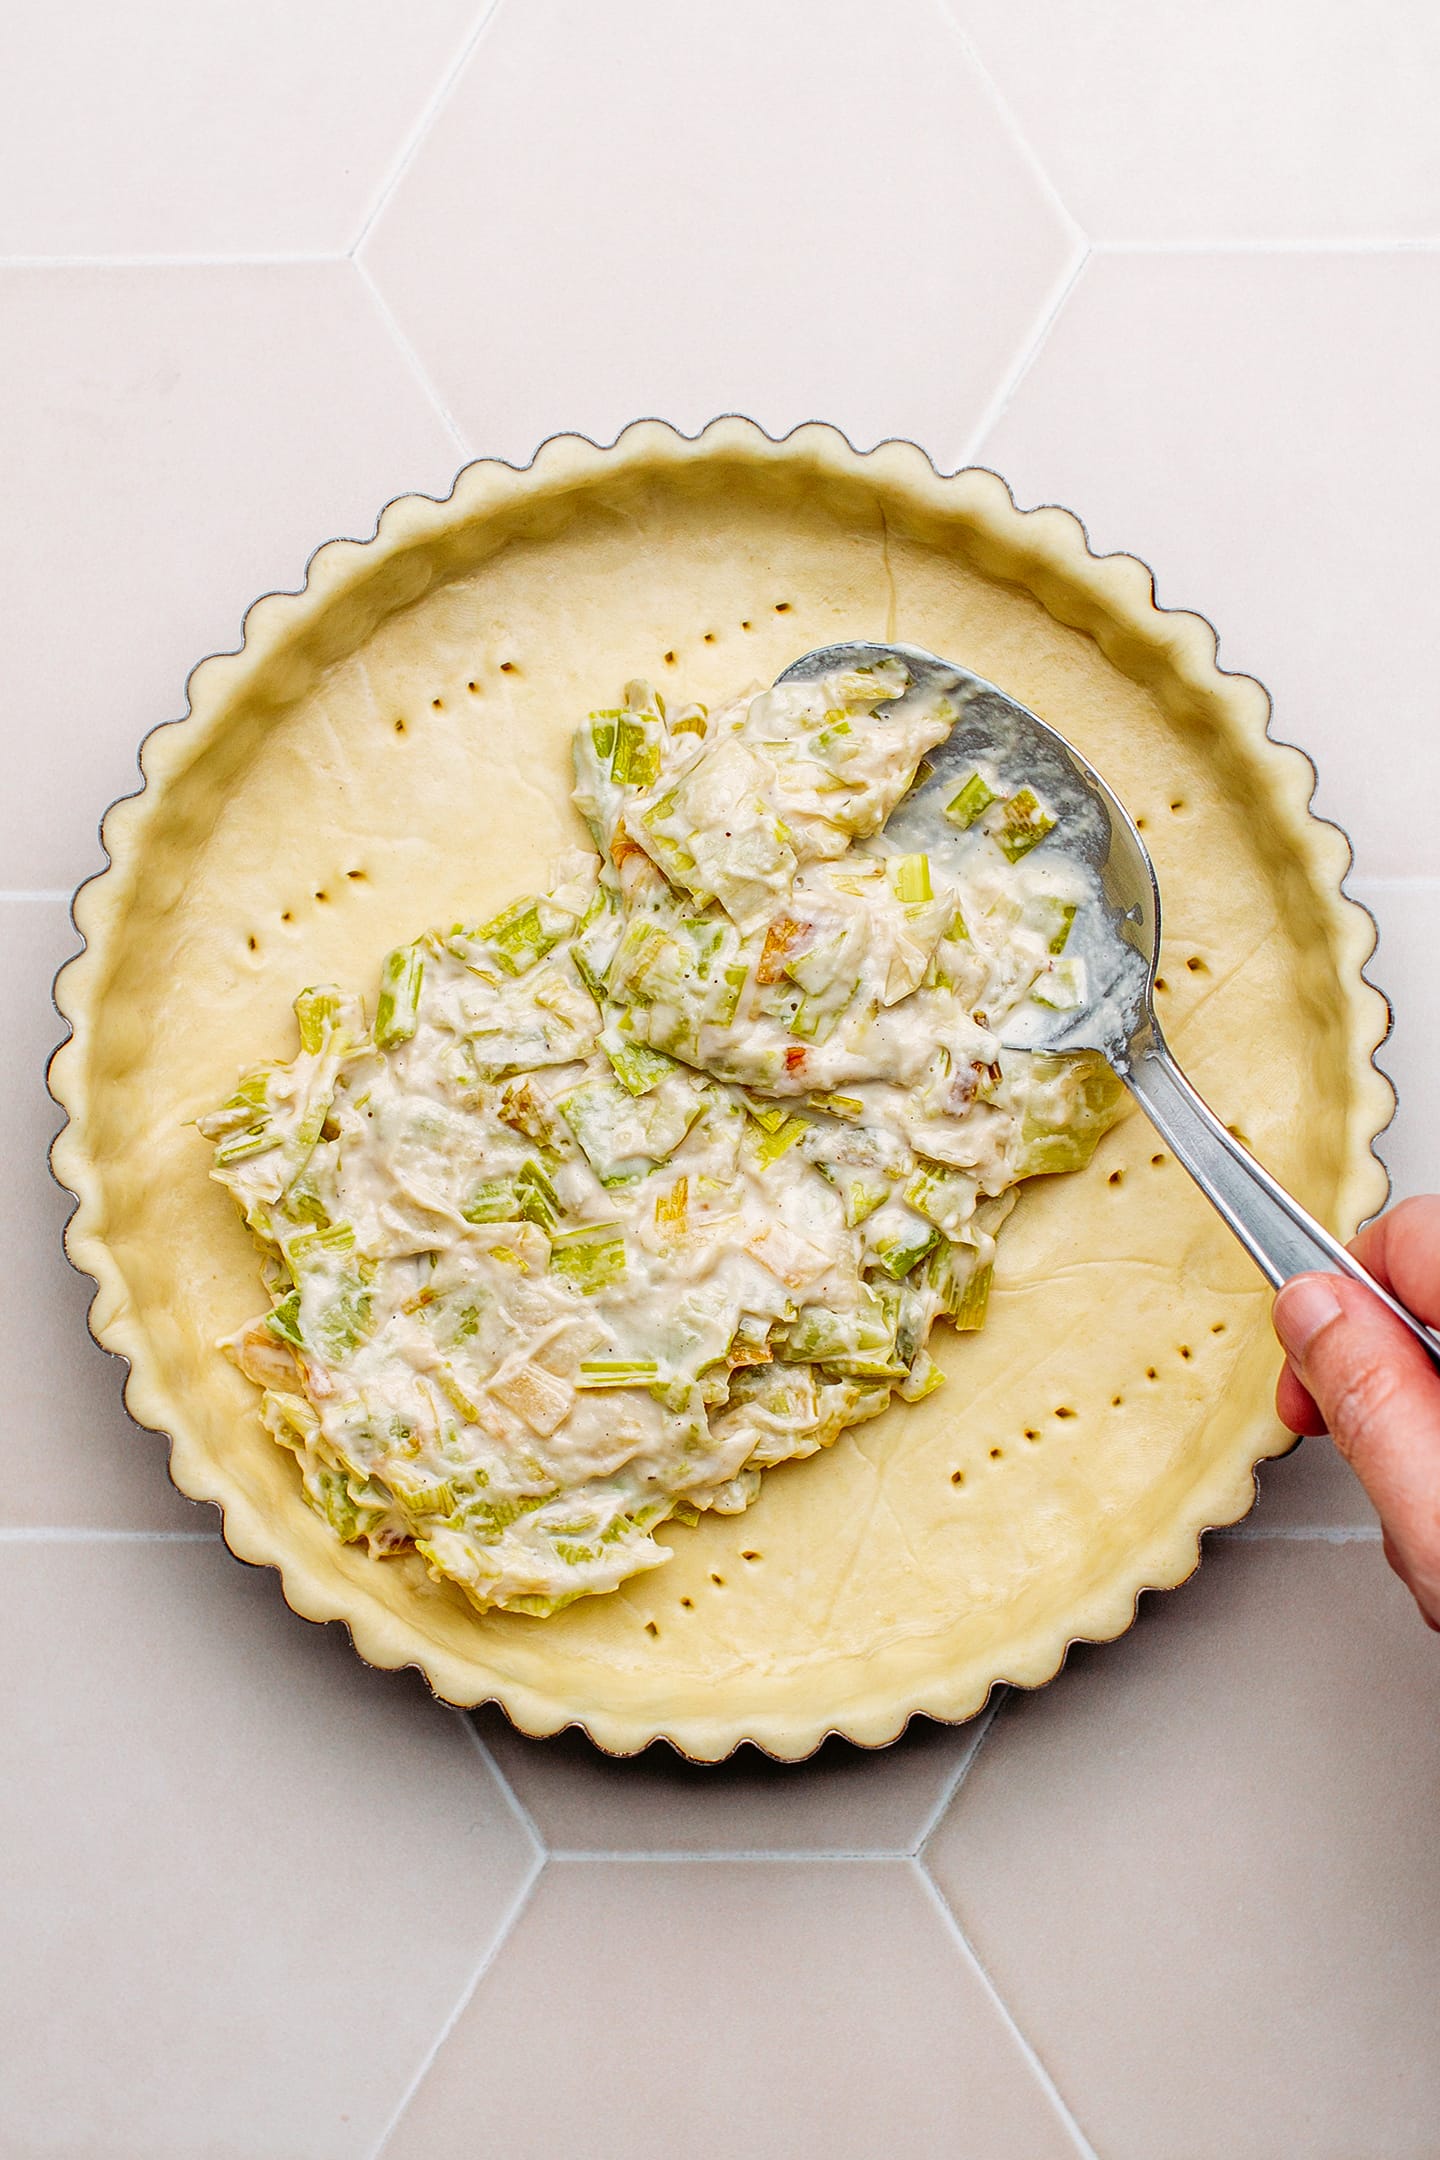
(1380, 1397)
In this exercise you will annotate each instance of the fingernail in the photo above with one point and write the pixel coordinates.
(1302, 1308)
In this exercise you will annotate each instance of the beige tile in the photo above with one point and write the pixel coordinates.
(244, 1879)
(154, 129)
(709, 211)
(844, 1799)
(1408, 913)
(1160, 120)
(70, 1455)
(190, 437)
(1202, 1868)
(707, 2009)
(1260, 430)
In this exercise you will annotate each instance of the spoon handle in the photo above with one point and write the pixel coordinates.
(1279, 1235)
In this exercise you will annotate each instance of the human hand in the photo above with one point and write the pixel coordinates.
(1354, 1371)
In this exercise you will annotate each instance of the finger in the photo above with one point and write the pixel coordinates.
(1397, 1562)
(1401, 1249)
(1380, 1396)
(1295, 1406)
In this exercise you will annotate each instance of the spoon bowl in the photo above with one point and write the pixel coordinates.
(1116, 931)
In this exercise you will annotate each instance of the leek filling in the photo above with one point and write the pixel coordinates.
(662, 1177)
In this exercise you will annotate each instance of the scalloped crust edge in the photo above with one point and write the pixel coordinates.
(1055, 537)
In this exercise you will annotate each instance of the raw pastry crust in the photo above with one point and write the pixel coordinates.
(389, 749)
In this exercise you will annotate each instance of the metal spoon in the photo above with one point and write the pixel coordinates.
(1118, 930)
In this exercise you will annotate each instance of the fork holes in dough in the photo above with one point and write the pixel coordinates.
(1157, 1161)
(356, 877)
(650, 1628)
(508, 667)
(1066, 1411)
(996, 1453)
(1117, 1177)
(1150, 1373)
(322, 897)
(1178, 805)
(782, 607)
(752, 1556)
(1217, 1327)
(473, 688)
(957, 1477)
(1196, 965)
(1116, 1401)
(747, 626)
(286, 916)
(400, 727)
(1031, 1433)
(253, 942)
(709, 637)
(688, 1603)
(719, 1581)
(1160, 983)
(438, 704)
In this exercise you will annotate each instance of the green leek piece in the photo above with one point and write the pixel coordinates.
(284, 1321)
(849, 1107)
(1067, 916)
(973, 800)
(589, 1257)
(635, 1065)
(616, 1372)
(517, 936)
(941, 1195)
(858, 1344)
(316, 1012)
(343, 1323)
(258, 1140)
(1022, 825)
(861, 1191)
(437, 1499)
(602, 734)
(1069, 1102)
(636, 762)
(528, 1196)
(962, 1285)
(904, 1250)
(726, 999)
(398, 1011)
(910, 878)
(922, 1379)
(779, 1139)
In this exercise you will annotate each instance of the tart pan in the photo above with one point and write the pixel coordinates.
(389, 749)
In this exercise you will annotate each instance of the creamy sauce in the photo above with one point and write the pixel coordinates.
(663, 1177)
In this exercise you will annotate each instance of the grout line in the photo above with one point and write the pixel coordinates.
(429, 115)
(1300, 1534)
(518, 1808)
(801, 1855)
(1368, 246)
(508, 1924)
(1029, 154)
(269, 261)
(25, 1535)
(50, 893)
(962, 1770)
(409, 355)
(1029, 353)
(1042, 2076)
